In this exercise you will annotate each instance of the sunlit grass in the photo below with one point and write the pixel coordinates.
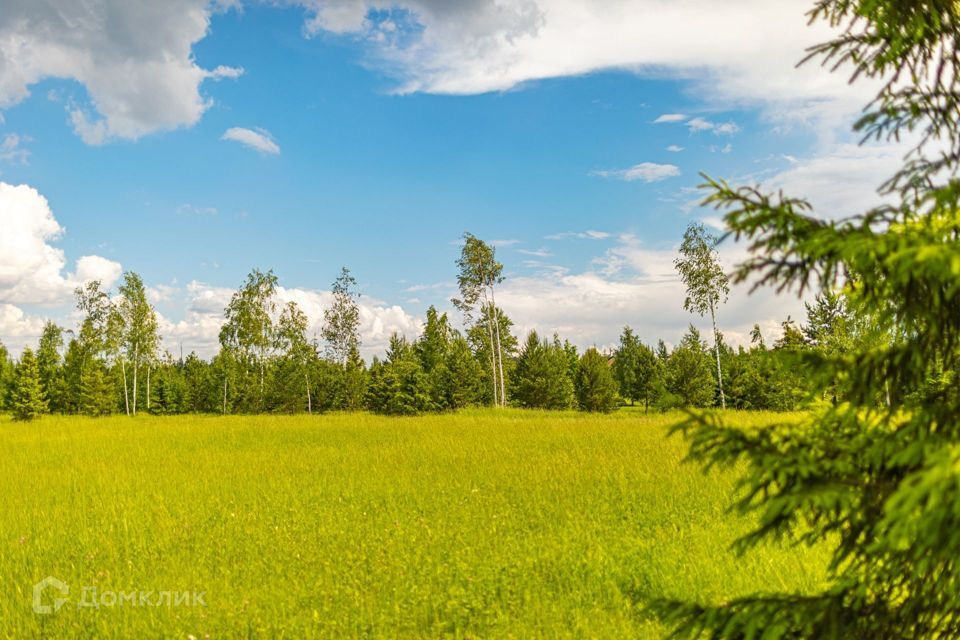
(485, 523)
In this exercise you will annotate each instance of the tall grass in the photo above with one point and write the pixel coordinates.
(480, 524)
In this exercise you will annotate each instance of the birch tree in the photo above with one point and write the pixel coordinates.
(341, 322)
(479, 273)
(707, 284)
(139, 338)
(248, 331)
(293, 342)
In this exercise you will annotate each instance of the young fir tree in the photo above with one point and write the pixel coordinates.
(596, 389)
(875, 478)
(541, 379)
(461, 387)
(625, 365)
(399, 386)
(27, 400)
(688, 375)
(50, 366)
(96, 390)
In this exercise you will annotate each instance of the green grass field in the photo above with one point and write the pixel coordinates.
(480, 524)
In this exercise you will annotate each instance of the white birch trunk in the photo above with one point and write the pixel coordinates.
(503, 388)
(136, 367)
(126, 396)
(716, 351)
(493, 359)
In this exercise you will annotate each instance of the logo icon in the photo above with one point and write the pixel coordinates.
(49, 583)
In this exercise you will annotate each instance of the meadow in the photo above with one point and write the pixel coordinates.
(478, 524)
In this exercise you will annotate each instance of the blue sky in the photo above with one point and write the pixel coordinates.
(366, 172)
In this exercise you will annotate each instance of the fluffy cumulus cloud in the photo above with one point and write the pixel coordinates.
(634, 284)
(842, 179)
(198, 328)
(259, 139)
(31, 267)
(134, 57)
(490, 45)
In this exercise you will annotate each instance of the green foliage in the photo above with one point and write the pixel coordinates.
(636, 369)
(97, 391)
(7, 373)
(168, 388)
(341, 321)
(292, 388)
(541, 379)
(49, 363)
(247, 340)
(453, 374)
(139, 340)
(399, 385)
(27, 400)
(688, 372)
(482, 338)
(478, 274)
(706, 283)
(596, 389)
(700, 270)
(874, 476)
(351, 382)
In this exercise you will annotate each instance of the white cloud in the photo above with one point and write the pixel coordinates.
(260, 139)
(11, 148)
(97, 268)
(476, 46)
(133, 57)
(225, 72)
(726, 129)
(637, 285)
(199, 328)
(31, 268)
(589, 234)
(645, 171)
(670, 117)
(542, 252)
(196, 210)
(722, 129)
(840, 180)
(674, 148)
(18, 329)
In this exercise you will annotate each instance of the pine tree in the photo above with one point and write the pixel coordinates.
(596, 388)
(625, 365)
(27, 401)
(688, 373)
(96, 390)
(541, 379)
(49, 363)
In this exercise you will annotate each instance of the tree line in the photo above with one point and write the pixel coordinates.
(268, 362)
